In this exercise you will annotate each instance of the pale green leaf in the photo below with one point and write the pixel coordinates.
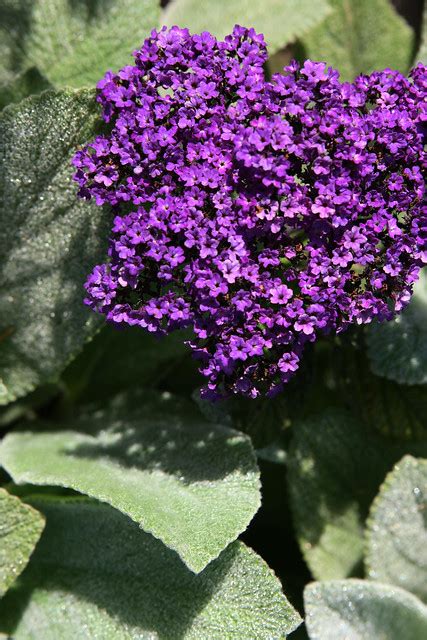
(73, 43)
(397, 529)
(361, 36)
(281, 21)
(193, 484)
(397, 349)
(336, 465)
(422, 53)
(50, 239)
(20, 529)
(362, 610)
(95, 575)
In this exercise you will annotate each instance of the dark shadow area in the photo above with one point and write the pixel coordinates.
(412, 12)
(15, 23)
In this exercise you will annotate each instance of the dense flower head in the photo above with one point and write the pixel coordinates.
(259, 213)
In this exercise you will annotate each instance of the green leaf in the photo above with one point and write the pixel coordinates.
(422, 53)
(95, 575)
(397, 529)
(281, 21)
(361, 610)
(397, 349)
(20, 528)
(335, 467)
(361, 36)
(49, 239)
(75, 43)
(190, 483)
(25, 84)
(395, 410)
(72, 43)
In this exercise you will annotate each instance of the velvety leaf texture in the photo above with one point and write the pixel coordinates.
(398, 349)
(361, 610)
(336, 466)
(96, 575)
(397, 529)
(361, 36)
(281, 21)
(50, 239)
(20, 530)
(193, 484)
(74, 43)
(422, 53)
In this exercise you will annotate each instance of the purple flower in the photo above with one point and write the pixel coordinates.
(280, 294)
(259, 213)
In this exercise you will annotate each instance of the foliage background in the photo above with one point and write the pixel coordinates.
(339, 458)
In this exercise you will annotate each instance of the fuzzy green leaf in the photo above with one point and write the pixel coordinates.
(75, 43)
(281, 21)
(422, 53)
(190, 483)
(336, 465)
(95, 575)
(361, 36)
(397, 529)
(397, 349)
(49, 239)
(362, 610)
(20, 530)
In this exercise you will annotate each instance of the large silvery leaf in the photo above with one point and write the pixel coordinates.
(422, 53)
(193, 484)
(96, 575)
(336, 465)
(74, 43)
(362, 610)
(361, 36)
(397, 529)
(281, 21)
(398, 349)
(20, 530)
(49, 239)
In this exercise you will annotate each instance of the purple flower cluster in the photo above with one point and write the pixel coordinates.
(259, 213)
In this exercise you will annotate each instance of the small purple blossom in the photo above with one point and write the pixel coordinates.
(259, 213)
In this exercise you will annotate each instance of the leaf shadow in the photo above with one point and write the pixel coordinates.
(124, 572)
(163, 434)
(337, 465)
